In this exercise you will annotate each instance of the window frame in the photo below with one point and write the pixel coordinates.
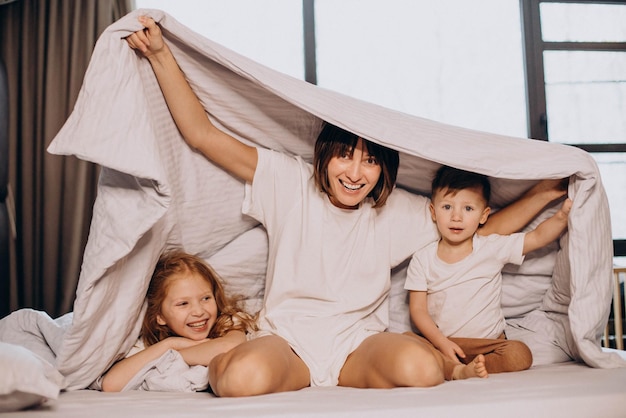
(533, 48)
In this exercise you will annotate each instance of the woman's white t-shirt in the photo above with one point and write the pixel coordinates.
(328, 274)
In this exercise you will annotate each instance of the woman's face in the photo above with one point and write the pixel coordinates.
(352, 177)
(189, 308)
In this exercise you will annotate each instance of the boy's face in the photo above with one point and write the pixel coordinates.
(458, 213)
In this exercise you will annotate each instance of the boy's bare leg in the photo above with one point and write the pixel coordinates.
(475, 368)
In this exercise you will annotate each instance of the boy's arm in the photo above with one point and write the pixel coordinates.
(203, 353)
(548, 230)
(514, 217)
(124, 370)
(418, 307)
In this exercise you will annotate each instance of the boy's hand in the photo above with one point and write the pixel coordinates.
(451, 350)
(563, 213)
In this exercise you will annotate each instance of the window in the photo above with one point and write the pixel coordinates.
(433, 59)
(576, 68)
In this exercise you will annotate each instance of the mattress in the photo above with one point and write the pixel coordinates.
(559, 390)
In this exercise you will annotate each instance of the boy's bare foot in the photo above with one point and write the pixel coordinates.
(476, 368)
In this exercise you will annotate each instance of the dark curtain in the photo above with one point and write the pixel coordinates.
(46, 46)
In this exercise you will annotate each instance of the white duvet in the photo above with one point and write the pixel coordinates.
(155, 192)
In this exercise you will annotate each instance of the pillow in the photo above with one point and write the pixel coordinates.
(242, 264)
(27, 380)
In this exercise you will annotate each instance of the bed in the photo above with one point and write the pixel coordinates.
(155, 193)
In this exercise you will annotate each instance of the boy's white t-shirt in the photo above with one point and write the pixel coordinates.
(464, 298)
(328, 274)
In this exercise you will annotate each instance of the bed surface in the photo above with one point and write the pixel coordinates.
(559, 390)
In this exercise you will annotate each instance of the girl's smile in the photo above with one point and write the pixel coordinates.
(189, 309)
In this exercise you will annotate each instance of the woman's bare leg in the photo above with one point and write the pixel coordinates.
(387, 360)
(256, 367)
(454, 370)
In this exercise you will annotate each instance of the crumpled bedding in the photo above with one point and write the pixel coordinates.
(155, 193)
(167, 373)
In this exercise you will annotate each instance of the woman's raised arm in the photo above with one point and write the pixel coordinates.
(226, 151)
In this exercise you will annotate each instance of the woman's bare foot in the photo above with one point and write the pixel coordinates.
(476, 368)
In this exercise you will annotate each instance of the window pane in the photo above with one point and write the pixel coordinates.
(613, 171)
(268, 31)
(586, 96)
(583, 22)
(454, 61)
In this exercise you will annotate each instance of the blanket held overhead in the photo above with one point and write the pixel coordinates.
(155, 193)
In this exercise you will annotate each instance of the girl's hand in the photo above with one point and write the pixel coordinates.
(180, 343)
(148, 41)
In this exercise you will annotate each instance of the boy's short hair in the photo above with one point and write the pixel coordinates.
(454, 179)
(334, 142)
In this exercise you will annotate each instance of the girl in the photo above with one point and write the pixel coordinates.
(187, 311)
(335, 230)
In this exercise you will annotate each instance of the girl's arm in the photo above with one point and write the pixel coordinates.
(548, 230)
(124, 370)
(514, 217)
(203, 353)
(229, 153)
(418, 307)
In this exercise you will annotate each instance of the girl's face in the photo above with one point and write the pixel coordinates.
(458, 214)
(189, 308)
(352, 177)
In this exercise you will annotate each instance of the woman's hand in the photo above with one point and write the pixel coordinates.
(550, 189)
(148, 41)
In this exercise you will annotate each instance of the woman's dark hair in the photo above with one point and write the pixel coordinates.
(334, 142)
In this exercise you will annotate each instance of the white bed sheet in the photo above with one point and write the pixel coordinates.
(560, 390)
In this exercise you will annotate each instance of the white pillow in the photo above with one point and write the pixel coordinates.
(242, 265)
(26, 380)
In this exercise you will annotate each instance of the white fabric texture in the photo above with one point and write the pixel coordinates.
(156, 193)
(464, 298)
(570, 390)
(26, 380)
(170, 373)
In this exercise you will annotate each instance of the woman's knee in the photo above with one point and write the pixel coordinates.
(235, 374)
(416, 366)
